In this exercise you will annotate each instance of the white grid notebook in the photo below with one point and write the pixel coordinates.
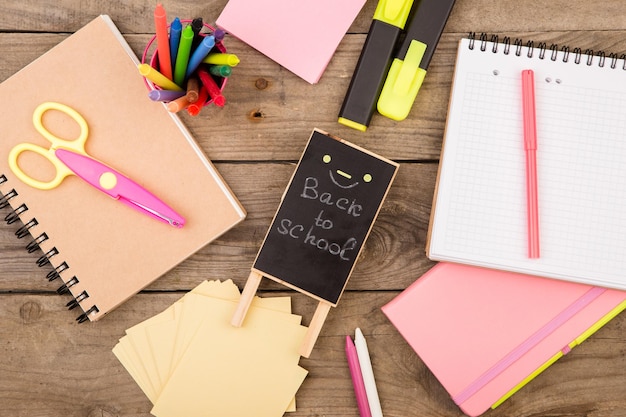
(479, 212)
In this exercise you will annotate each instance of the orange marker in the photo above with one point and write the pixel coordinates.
(178, 104)
(194, 108)
(163, 42)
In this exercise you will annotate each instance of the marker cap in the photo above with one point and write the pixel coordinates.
(403, 83)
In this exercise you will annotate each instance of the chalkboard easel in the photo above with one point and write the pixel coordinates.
(321, 225)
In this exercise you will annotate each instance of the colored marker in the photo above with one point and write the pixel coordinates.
(408, 69)
(177, 105)
(157, 78)
(182, 58)
(165, 95)
(163, 42)
(194, 108)
(219, 34)
(213, 89)
(357, 379)
(220, 70)
(530, 146)
(371, 69)
(196, 26)
(201, 51)
(176, 29)
(217, 58)
(193, 88)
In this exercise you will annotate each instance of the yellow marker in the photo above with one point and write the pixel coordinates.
(408, 69)
(403, 82)
(157, 78)
(373, 64)
(217, 58)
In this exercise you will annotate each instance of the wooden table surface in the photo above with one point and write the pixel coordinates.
(51, 366)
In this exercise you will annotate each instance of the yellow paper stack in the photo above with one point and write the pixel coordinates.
(190, 361)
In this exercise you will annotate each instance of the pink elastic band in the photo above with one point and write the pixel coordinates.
(528, 344)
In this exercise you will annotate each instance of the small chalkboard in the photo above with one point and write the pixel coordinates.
(325, 216)
(323, 220)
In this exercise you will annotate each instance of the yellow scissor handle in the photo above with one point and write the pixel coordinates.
(62, 171)
(78, 144)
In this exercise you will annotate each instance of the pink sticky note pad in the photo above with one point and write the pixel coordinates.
(468, 324)
(302, 36)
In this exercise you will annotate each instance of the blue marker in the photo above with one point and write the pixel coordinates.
(176, 28)
(199, 54)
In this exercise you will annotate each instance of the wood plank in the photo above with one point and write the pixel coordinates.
(48, 365)
(274, 122)
(52, 366)
(136, 16)
(394, 249)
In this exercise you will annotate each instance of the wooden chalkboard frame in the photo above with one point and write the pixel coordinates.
(334, 260)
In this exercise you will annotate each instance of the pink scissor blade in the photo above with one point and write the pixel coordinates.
(119, 187)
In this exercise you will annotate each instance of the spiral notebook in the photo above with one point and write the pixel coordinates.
(104, 251)
(479, 210)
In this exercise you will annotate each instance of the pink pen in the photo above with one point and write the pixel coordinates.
(530, 146)
(357, 379)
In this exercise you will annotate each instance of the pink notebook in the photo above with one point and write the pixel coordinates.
(302, 36)
(511, 327)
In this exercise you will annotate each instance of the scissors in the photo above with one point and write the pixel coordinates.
(70, 158)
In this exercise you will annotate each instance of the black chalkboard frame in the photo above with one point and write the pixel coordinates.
(325, 303)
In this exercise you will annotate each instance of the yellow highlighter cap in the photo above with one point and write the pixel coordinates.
(394, 12)
(404, 80)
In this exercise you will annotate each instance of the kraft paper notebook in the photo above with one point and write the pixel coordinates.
(485, 333)
(479, 215)
(302, 36)
(104, 251)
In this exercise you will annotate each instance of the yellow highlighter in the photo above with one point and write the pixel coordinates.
(408, 69)
(373, 64)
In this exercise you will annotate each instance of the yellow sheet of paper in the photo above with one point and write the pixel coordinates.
(229, 371)
(149, 350)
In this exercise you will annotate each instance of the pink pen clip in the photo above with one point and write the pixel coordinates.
(530, 146)
(119, 186)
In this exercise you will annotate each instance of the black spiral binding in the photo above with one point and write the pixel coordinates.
(586, 57)
(15, 215)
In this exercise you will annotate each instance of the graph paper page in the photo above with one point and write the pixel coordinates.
(479, 214)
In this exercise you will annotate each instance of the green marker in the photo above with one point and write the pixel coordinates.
(182, 58)
(220, 70)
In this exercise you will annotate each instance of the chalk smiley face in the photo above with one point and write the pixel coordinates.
(349, 177)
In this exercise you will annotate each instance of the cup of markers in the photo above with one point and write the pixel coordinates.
(196, 69)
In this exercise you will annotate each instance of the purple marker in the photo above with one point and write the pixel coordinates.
(165, 95)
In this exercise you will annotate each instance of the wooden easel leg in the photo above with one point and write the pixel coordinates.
(254, 279)
(314, 328)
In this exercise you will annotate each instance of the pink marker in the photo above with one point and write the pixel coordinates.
(530, 146)
(357, 379)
